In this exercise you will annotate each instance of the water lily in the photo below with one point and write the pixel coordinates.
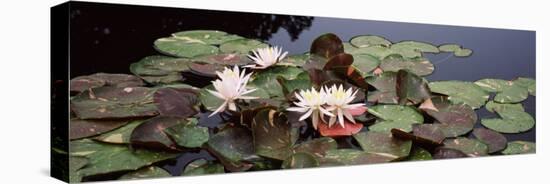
(231, 86)
(311, 104)
(338, 101)
(265, 57)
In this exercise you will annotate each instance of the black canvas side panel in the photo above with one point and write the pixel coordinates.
(59, 138)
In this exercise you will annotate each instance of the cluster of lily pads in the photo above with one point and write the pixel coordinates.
(128, 126)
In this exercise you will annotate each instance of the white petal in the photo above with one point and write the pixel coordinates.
(306, 115)
(297, 109)
(221, 108)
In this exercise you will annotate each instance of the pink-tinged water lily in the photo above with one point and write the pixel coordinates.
(265, 57)
(310, 103)
(231, 86)
(338, 101)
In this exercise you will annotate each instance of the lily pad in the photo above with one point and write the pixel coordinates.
(528, 83)
(413, 49)
(82, 83)
(519, 147)
(150, 134)
(446, 153)
(461, 92)
(176, 102)
(494, 140)
(338, 131)
(242, 46)
(354, 157)
(425, 135)
(365, 63)
(208, 100)
(294, 60)
(146, 172)
(411, 88)
(159, 66)
(507, 91)
(211, 37)
(450, 47)
(267, 79)
(492, 85)
(369, 40)
(493, 106)
(272, 134)
(201, 167)
(470, 147)
(317, 147)
(380, 52)
(327, 46)
(233, 145)
(87, 128)
(418, 66)
(463, 52)
(418, 153)
(394, 116)
(121, 135)
(453, 119)
(75, 164)
(223, 59)
(170, 78)
(383, 143)
(386, 88)
(300, 160)
(511, 121)
(188, 135)
(182, 48)
(301, 82)
(114, 102)
(107, 158)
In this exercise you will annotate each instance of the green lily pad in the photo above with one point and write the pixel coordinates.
(386, 88)
(354, 157)
(267, 79)
(317, 147)
(470, 147)
(159, 66)
(520, 147)
(188, 135)
(82, 83)
(425, 135)
(446, 153)
(411, 88)
(294, 60)
(232, 146)
(463, 52)
(418, 66)
(383, 143)
(146, 172)
(242, 46)
(176, 102)
(493, 106)
(494, 140)
(511, 121)
(365, 63)
(107, 158)
(327, 46)
(492, 85)
(513, 93)
(121, 135)
(300, 160)
(461, 92)
(150, 134)
(418, 153)
(170, 78)
(394, 116)
(528, 83)
(183, 48)
(87, 128)
(208, 100)
(201, 167)
(223, 59)
(211, 37)
(453, 119)
(450, 47)
(413, 49)
(380, 52)
(301, 82)
(75, 164)
(369, 40)
(114, 102)
(272, 135)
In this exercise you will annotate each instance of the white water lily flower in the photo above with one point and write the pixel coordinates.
(230, 87)
(310, 103)
(265, 57)
(338, 101)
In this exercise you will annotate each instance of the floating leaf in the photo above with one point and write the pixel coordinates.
(301, 82)
(494, 140)
(369, 40)
(121, 135)
(272, 134)
(463, 52)
(300, 160)
(159, 66)
(449, 47)
(380, 52)
(354, 157)
(528, 83)
(383, 143)
(171, 78)
(208, 100)
(511, 121)
(317, 147)
(519, 147)
(493, 106)
(232, 146)
(150, 134)
(425, 135)
(242, 46)
(182, 48)
(453, 119)
(461, 92)
(418, 153)
(386, 88)
(413, 49)
(470, 147)
(176, 102)
(394, 116)
(201, 167)
(146, 172)
(188, 135)
(294, 60)
(82, 83)
(211, 37)
(492, 85)
(87, 128)
(107, 158)
(327, 46)
(205, 69)
(267, 79)
(75, 164)
(512, 93)
(114, 102)
(418, 66)
(337, 130)
(365, 63)
(223, 59)
(411, 88)
(446, 153)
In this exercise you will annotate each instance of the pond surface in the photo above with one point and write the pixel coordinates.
(108, 38)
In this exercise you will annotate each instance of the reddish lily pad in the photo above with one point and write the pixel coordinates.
(327, 46)
(114, 102)
(87, 128)
(383, 143)
(233, 146)
(338, 131)
(425, 135)
(446, 153)
(205, 69)
(150, 134)
(300, 160)
(176, 102)
(82, 83)
(454, 119)
(317, 147)
(354, 157)
(411, 88)
(272, 134)
(494, 140)
(470, 147)
(386, 88)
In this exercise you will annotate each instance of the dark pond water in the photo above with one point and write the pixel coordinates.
(108, 38)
